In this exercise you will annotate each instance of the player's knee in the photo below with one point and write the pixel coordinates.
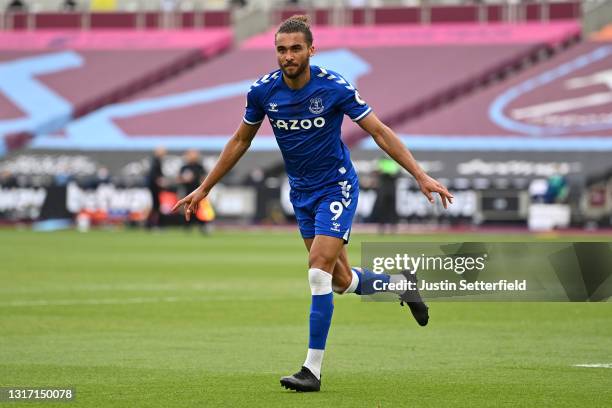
(321, 261)
(320, 281)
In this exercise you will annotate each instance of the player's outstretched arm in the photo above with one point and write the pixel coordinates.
(232, 152)
(388, 141)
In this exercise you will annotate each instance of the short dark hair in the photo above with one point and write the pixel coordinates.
(298, 23)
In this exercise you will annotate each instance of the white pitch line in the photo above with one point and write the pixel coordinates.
(602, 365)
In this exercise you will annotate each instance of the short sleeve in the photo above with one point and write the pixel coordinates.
(254, 113)
(352, 104)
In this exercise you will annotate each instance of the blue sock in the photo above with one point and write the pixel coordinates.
(367, 279)
(321, 311)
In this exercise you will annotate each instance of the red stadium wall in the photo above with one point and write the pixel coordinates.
(437, 14)
(112, 20)
(321, 16)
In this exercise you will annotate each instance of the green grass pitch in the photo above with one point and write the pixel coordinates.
(132, 319)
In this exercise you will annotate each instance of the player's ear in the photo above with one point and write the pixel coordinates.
(311, 51)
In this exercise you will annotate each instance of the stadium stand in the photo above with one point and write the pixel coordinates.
(196, 14)
(49, 78)
(435, 13)
(115, 20)
(563, 103)
(549, 121)
(202, 107)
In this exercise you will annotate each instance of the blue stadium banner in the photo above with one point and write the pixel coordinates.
(484, 271)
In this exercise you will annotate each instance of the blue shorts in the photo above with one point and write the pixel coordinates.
(328, 211)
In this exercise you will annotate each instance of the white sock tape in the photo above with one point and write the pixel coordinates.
(354, 282)
(320, 281)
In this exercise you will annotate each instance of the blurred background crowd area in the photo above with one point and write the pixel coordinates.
(257, 14)
(110, 110)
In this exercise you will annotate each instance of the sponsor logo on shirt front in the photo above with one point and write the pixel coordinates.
(297, 124)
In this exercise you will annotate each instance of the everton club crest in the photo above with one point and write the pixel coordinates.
(316, 106)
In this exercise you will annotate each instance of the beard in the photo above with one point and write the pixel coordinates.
(299, 70)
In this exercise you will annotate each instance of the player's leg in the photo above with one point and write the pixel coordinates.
(341, 275)
(347, 279)
(332, 212)
(362, 281)
(323, 254)
(322, 259)
(334, 217)
(365, 282)
(321, 263)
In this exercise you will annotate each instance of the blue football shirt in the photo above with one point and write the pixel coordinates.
(306, 123)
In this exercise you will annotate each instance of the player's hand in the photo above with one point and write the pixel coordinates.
(191, 202)
(430, 185)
